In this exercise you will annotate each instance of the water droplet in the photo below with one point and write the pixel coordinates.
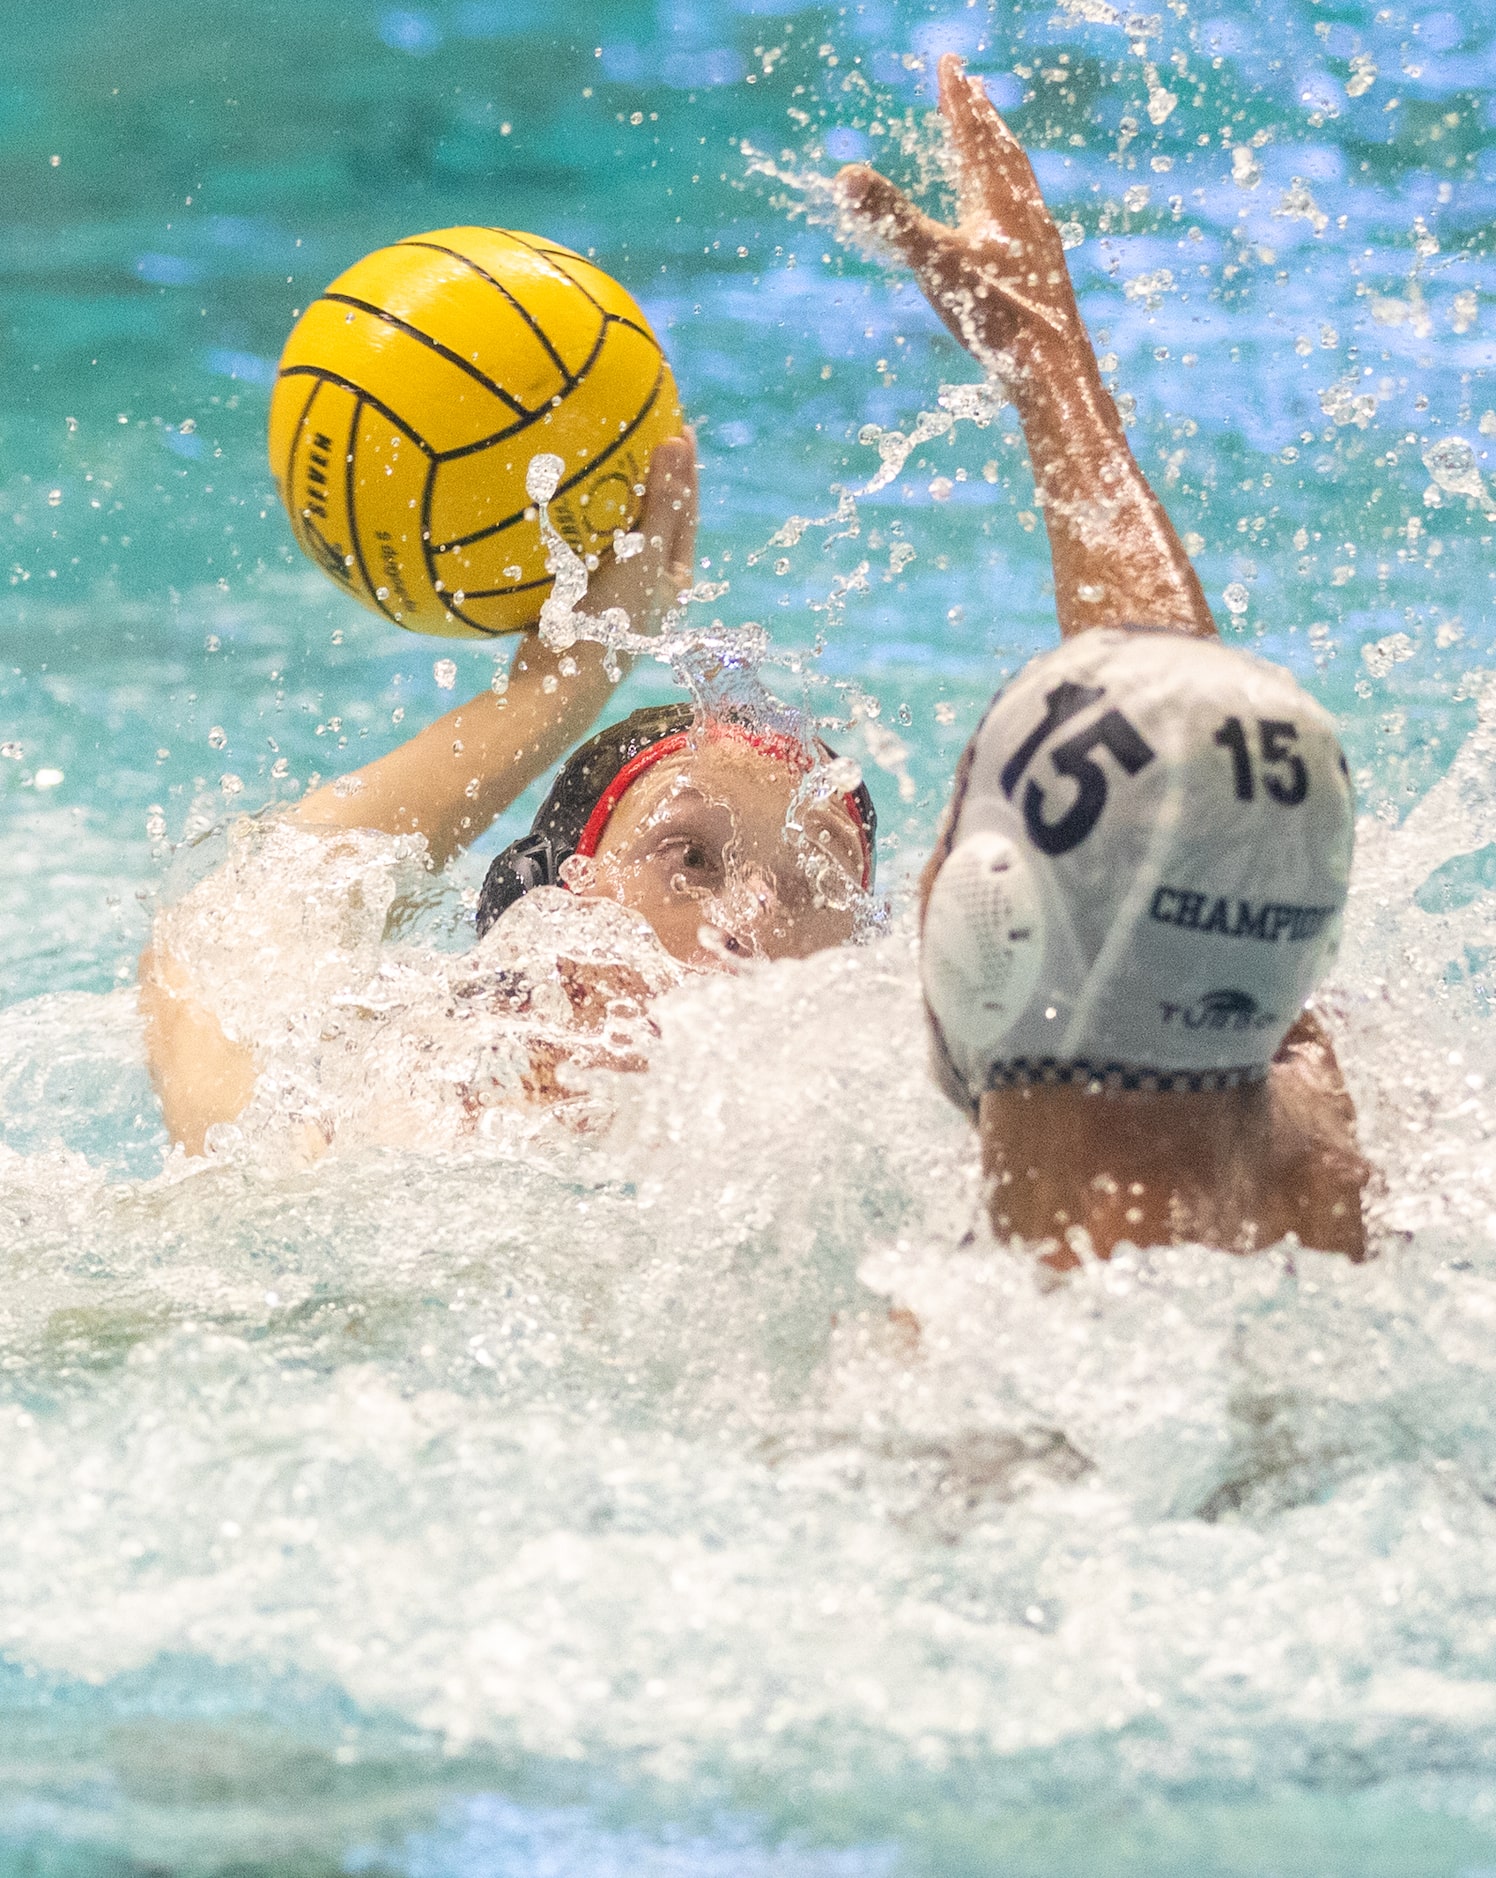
(444, 671)
(1451, 463)
(543, 476)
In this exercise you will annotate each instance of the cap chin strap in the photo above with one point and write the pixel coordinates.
(769, 743)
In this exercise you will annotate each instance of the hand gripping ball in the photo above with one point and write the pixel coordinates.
(411, 397)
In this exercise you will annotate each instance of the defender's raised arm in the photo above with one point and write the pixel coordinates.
(998, 280)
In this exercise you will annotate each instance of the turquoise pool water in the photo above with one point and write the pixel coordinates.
(560, 1507)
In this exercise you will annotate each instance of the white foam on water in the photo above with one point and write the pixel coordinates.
(608, 1438)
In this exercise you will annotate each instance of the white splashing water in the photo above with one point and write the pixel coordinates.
(598, 1440)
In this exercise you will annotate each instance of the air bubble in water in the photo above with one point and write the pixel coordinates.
(1236, 599)
(217, 737)
(444, 671)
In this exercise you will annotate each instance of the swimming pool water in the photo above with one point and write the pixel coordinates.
(569, 1506)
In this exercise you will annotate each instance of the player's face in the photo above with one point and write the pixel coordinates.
(718, 849)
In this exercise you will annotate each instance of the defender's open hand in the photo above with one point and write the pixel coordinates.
(998, 278)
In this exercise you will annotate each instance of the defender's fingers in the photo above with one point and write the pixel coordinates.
(994, 174)
(886, 212)
(975, 163)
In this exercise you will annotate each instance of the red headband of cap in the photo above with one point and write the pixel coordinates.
(771, 743)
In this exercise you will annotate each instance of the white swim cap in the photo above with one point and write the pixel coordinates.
(1145, 861)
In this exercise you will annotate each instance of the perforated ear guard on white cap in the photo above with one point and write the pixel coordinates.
(1146, 860)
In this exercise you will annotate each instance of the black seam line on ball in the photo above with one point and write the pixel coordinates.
(358, 550)
(435, 345)
(619, 319)
(515, 430)
(466, 541)
(622, 319)
(548, 254)
(313, 542)
(499, 593)
(364, 397)
(433, 579)
(431, 573)
(298, 439)
(523, 311)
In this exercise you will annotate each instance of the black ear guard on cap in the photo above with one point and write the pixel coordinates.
(532, 861)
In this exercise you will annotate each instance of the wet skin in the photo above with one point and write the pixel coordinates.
(1068, 1167)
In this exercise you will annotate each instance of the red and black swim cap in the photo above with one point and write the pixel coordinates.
(593, 780)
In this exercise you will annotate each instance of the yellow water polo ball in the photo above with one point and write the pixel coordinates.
(412, 396)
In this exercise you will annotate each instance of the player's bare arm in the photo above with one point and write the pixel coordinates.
(447, 784)
(999, 281)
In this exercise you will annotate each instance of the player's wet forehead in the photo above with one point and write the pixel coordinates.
(726, 773)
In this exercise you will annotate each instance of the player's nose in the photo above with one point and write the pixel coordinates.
(746, 908)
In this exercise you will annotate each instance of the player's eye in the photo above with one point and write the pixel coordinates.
(694, 861)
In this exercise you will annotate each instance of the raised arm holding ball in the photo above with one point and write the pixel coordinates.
(1141, 871)
(413, 396)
